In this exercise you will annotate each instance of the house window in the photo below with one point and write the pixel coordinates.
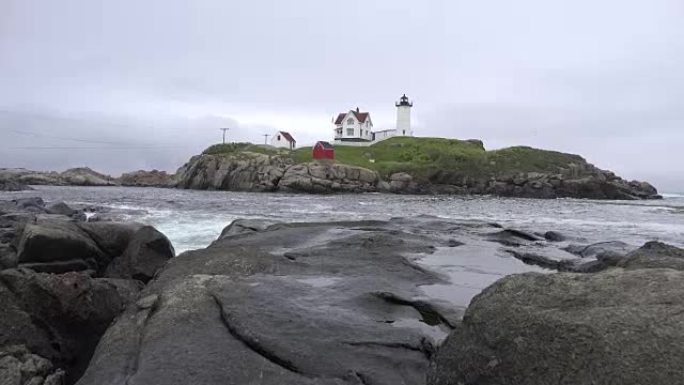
(350, 132)
(279, 138)
(367, 124)
(350, 121)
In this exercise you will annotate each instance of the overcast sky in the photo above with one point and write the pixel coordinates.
(126, 84)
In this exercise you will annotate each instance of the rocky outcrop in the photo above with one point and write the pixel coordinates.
(245, 171)
(249, 171)
(623, 325)
(328, 177)
(578, 180)
(73, 177)
(583, 182)
(62, 282)
(141, 178)
(84, 176)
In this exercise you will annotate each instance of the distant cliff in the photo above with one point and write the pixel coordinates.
(409, 166)
(81, 176)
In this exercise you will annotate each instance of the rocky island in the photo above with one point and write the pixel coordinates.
(400, 165)
(407, 165)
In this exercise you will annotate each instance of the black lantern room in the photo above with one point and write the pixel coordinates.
(404, 101)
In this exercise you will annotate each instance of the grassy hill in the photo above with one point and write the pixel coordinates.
(427, 159)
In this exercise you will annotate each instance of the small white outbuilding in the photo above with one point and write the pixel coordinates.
(282, 139)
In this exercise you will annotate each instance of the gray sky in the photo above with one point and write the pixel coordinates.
(124, 84)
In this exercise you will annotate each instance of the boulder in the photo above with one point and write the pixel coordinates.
(147, 251)
(141, 178)
(617, 326)
(54, 242)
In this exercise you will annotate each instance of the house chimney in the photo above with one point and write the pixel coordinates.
(357, 109)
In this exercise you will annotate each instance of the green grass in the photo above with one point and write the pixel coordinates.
(234, 148)
(427, 158)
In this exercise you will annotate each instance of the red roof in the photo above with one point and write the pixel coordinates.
(360, 116)
(325, 145)
(287, 137)
(340, 118)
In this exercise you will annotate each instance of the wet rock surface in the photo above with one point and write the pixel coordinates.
(57, 290)
(307, 303)
(620, 325)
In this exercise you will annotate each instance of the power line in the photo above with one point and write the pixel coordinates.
(92, 148)
(34, 134)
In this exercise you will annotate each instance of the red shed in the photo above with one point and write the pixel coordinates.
(323, 150)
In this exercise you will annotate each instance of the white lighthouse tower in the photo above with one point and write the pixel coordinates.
(404, 116)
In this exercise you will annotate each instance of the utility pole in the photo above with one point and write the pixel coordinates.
(266, 138)
(224, 134)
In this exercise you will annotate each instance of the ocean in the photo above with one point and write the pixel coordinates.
(193, 219)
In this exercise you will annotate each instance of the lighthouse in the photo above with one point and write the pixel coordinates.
(404, 116)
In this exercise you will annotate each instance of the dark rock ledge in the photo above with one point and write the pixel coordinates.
(62, 282)
(343, 303)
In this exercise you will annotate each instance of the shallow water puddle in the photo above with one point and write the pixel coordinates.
(470, 268)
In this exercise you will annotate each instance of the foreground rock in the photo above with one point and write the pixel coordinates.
(73, 177)
(62, 282)
(309, 303)
(143, 178)
(63, 315)
(618, 326)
